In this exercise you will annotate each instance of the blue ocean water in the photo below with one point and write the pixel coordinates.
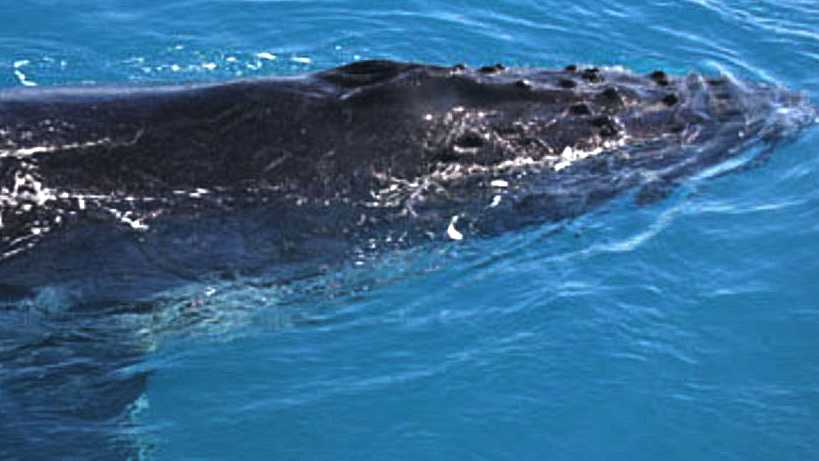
(686, 329)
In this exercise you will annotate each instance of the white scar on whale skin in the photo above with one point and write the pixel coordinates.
(21, 77)
(137, 224)
(26, 189)
(30, 151)
(23, 152)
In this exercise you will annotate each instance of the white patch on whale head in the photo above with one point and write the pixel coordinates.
(452, 232)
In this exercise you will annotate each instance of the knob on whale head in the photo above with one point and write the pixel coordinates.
(600, 126)
(495, 113)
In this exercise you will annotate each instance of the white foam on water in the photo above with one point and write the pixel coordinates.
(23, 79)
(266, 56)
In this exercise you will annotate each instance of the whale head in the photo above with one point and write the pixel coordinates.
(560, 141)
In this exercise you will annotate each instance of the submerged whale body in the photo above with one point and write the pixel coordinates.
(115, 189)
(259, 171)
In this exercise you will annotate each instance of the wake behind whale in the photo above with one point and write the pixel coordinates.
(124, 191)
(249, 173)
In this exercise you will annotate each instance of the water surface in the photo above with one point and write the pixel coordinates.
(686, 329)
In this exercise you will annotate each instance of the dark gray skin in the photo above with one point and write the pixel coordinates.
(151, 187)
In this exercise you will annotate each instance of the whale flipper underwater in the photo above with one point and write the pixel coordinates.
(113, 182)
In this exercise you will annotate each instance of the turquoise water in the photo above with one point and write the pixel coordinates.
(682, 330)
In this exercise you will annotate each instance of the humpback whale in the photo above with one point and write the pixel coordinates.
(109, 183)
(313, 165)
